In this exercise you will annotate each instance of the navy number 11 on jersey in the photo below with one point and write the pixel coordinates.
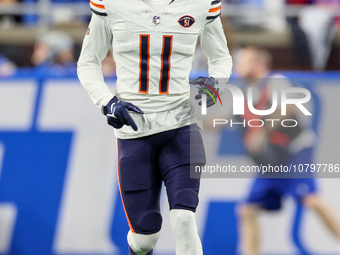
(145, 64)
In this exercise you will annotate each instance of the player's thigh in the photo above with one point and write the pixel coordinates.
(178, 156)
(185, 147)
(140, 185)
(182, 190)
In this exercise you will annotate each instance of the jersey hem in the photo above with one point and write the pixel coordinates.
(154, 131)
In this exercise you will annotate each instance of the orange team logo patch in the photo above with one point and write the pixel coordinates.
(186, 21)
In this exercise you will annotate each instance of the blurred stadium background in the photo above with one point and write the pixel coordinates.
(58, 187)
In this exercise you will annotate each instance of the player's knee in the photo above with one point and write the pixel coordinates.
(183, 224)
(142, 244)
(150, 223)
(247, 211)
(184, 217)
(186, 199)
(182, 221)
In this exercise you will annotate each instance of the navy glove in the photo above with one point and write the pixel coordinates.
(206, 84)
(117, 113)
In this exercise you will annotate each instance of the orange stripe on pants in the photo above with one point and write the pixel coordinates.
(120, 190)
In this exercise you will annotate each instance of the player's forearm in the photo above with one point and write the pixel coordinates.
(215, 47)
(92, 80)
(221, 68)
(220, 62)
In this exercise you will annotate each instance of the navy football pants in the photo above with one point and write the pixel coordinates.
(147, 161)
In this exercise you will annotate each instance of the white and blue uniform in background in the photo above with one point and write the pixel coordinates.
(286, 146)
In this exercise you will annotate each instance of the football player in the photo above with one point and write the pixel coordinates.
(276, 145)
(153, 44)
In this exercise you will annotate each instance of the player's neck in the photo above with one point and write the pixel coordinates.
(157, 4)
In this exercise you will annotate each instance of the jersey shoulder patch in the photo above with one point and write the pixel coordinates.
(98, 7)
(215, 10)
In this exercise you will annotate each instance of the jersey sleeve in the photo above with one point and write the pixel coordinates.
(96, 45)
(214, 46)
(98, 7)
(214, 10)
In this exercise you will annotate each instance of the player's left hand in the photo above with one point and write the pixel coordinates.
(206, 84)
(117, 113)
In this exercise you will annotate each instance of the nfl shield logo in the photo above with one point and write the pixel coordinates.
(156, 20)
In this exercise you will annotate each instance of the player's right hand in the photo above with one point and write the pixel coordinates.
(117, 113)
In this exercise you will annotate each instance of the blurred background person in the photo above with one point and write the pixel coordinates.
(318, 22)
(313, 30)
(54, 51)
(252, 18)
(9, 20)
(7, 68)
(56, 12)
(300, 42)
(275, 145)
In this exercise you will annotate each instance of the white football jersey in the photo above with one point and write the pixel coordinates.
(153, 51)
